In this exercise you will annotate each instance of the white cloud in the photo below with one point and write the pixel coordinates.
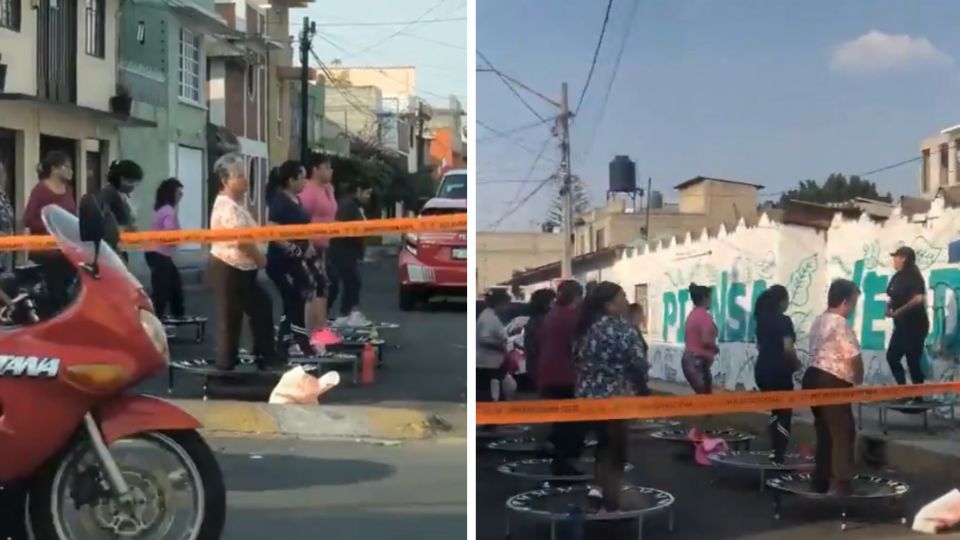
(876, 51)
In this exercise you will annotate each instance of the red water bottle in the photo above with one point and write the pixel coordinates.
(368, 364)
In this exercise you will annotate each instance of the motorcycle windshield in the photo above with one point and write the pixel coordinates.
(65, 229)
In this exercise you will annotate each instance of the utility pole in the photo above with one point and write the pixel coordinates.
(306, 35)
(646, 229)
(421, 121)
(566, 266)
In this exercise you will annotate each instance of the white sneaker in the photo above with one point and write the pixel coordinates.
(357, 319)
(340, 322)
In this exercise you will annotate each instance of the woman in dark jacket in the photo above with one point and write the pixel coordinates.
(776, 361)
(907, 292)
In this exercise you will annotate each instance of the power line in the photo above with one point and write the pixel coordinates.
(392, 23)
(505, 136)
(435, 41)
(404, 28)
(503, 79)
(533, 166)
(894, 166)
(596, 53)
(613, 78)
(516, 130)
(510, 211)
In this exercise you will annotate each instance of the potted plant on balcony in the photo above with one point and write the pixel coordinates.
(3, 75)
(122, 102)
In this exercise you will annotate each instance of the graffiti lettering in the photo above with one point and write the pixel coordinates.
(732, 309)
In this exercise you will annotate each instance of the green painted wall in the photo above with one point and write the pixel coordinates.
(152, 70)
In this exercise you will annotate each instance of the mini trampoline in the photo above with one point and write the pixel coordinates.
(500, 432)
(538, 470)
(653, 424)
(734, 439)
(527, 445)
(866, 488)
(922, 408)
(760, 461)
(553, 505)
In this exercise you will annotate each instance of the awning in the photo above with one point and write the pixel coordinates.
(117, 120)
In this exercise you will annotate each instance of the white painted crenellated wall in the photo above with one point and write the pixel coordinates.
(741, 262)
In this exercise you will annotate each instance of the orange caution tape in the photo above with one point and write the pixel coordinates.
(579, 410)
(454, 222)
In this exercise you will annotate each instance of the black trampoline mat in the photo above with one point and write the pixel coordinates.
(499, 432)
(760, 460)
(864, 487)
(526, 444)
(679, 435)
(556, 503)
(913, 407)
(654, 424)
(539, 470)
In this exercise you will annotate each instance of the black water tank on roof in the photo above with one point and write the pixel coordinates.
(623, 175)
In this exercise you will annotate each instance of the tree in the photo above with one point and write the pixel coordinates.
(836, 188)
(581, 204)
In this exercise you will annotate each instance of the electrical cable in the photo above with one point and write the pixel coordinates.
(400, 31)
(596, 53)
(503, 79)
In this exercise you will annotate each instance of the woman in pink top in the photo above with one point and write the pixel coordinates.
(320, 201)
(699, 341)
(166, 287)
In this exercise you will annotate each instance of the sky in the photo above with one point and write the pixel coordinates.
(763, 91)
(437, 49)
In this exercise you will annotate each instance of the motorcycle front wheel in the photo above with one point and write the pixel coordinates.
(176, 492)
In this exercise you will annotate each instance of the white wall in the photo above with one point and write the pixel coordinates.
(741, 262)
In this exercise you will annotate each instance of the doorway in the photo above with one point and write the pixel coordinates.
(8, 160)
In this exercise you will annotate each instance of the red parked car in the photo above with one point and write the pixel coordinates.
(434, 263)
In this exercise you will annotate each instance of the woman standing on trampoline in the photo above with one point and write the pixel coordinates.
(699, 341)
(610, 363)
(776, 361)
(907, 292)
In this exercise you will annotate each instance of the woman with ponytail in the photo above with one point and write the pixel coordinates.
(776, 361)
(288, 261)
(610, 363)
(166, 286)
(699, 341)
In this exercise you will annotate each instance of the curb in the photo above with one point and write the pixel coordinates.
(326, 422)
(905, 455)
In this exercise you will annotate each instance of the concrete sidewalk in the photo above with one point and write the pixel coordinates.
(388, 422)
(906, 448)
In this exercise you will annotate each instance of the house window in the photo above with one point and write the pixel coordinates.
(600, 239)
(94, 26)
(944, 163)
(925, 172)
(190, 45)
(252, 81)
(10, 14)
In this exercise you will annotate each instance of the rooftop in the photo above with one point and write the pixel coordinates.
(698, 179)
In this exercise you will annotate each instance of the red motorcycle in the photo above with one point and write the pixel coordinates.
(91, 461)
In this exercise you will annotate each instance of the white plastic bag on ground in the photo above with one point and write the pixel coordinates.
(939, 515)
(297, 387)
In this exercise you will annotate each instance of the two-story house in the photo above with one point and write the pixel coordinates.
(163, 64)
(58, 90)
(237, 85)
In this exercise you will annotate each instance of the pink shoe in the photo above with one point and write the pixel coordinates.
(325, 337)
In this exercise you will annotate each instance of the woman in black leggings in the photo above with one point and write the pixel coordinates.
(776, 361)
(287, 260)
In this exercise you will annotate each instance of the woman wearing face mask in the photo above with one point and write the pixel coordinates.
(165, 283)
(54, 187)
(287, 260)
(610, 363)
(122, 178)
(233, 270)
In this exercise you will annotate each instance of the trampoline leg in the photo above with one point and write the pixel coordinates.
(843, 519)
(670, 521)
(763, 478)
(639, 528)
(169, 380)
(553, 529)
(507, 521)
(206, 381)
(356, 372)
(776, 505)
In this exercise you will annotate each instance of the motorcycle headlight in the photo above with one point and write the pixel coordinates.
(155, 331)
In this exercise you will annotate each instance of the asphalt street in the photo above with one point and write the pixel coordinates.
(710, 503)
(425, 360)
(293, 489)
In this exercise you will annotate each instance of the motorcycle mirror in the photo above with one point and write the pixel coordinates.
(91, 220)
